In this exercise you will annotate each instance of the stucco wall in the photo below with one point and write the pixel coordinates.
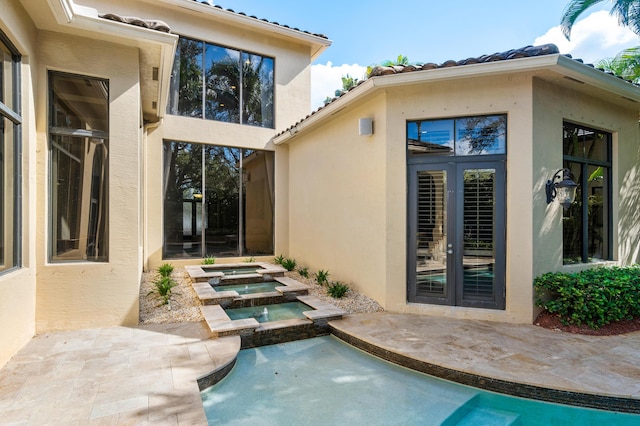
(18, 288)
(90, 294)
(352, 217)
(552, 105)
(338, 212)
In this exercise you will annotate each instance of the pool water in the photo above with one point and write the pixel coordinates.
(273, 312)
(251, 288)
(323, 381)
(231, 271)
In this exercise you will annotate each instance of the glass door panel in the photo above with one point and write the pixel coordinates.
(429, 278)
(431, 241)
(457, 234)
(479, 234)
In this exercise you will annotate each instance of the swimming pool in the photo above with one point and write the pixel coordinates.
(325, 381)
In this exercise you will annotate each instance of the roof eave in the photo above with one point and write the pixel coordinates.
(557, 63)
(87, 19)
(316, 43)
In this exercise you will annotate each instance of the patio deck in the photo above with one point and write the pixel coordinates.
(147, 374)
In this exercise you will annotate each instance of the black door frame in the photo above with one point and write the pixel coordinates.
(454, 168)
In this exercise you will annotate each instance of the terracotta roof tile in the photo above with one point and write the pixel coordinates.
(205, 2)
(524, 52)
(132, 20)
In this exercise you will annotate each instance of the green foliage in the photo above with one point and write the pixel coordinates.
(304, 272)
(278, 260)
(348, 83)
(595, 297)
(209, 260)
(250, 260)
(337, 289)
(322, 277)
(164, 284)
(289, 264)
(165, 270)
(625, 64)
(400, 60)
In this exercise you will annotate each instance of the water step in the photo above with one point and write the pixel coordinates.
(489, 417)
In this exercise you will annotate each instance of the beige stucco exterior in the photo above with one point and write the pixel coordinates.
(352, 220)
(340, 197)
(70, 36)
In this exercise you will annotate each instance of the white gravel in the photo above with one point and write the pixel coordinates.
(185, 306)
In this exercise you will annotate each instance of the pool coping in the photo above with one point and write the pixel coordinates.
(523, 390)
(198, 274)
(220, 325)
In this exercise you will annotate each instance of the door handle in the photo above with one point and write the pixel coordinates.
(450, 251)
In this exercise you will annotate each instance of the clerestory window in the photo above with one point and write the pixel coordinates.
(79, 160)
(587, 224)
(218, 83)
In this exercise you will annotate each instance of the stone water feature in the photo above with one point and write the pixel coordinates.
(225, 289)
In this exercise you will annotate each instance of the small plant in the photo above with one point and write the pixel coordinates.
(165, 270)
(250, 260)
(322, 277)
(289, 264)
(209, 260)
(164, 284)
(278, 260)
(337, 289)
(304, 272)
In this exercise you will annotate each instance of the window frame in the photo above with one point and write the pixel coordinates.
(53, 131)
(201, 187)
(174, 92)
(14, 115)
(585, 163)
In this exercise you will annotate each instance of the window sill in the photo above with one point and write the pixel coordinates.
(577, 267)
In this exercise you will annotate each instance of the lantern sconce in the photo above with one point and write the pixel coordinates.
(562, 187)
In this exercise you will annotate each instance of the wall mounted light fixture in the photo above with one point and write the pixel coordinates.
(562, 187)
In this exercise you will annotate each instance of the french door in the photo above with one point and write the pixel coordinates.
(456, 234)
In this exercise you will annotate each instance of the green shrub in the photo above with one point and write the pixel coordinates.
(165, 269)
(304, 272)
(209, 260)
(322, 277)
(337, 289)
(278, 260)
(289, 264)
(595, 297)
(164, 284)
(250, 260)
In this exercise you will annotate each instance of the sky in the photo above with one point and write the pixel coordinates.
(369, 32)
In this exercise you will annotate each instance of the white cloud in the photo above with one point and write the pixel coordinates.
(595, 37)
(327, 78)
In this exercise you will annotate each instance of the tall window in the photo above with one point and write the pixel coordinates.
(10, 156)
(79, 148)
(218, 201)
(587, 225)
(218, 83)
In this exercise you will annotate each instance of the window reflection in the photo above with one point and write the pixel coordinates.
(10, 181)
(223, 84)
(479, 135)
(222, 98)
(586, 224)
(257, 90)
(219, 201)
(78, 137)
